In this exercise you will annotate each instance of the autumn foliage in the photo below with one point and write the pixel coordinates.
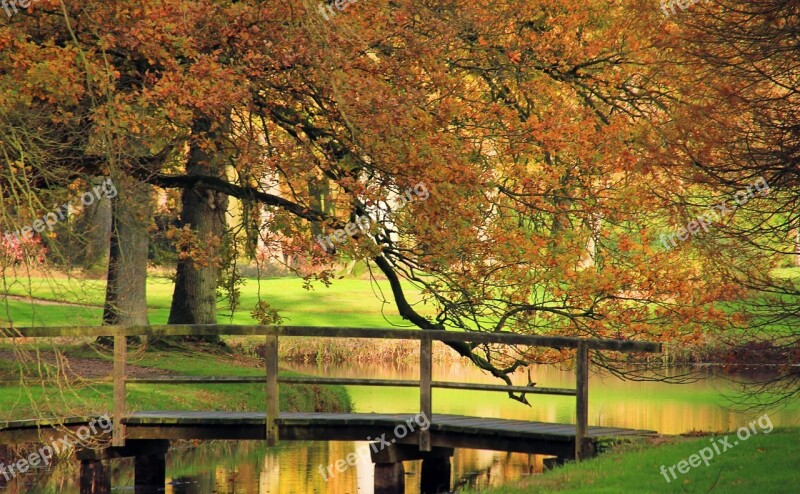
(558, 140)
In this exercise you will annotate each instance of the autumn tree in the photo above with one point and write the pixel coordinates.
(529, 126)
(203, 212)
(736, 125)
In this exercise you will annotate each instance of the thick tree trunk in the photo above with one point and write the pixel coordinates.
(126, 289)
(195, 297)
(95, 227)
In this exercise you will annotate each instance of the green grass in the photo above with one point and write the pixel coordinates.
(34, 400)
(764, 463)
(348, 302)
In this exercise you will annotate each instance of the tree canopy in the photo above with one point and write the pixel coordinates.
(558, 144)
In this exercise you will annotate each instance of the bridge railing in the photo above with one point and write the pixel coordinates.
(271, 380)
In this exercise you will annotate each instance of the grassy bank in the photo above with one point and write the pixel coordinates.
(764, 463)
(73, 386)
(62, 301)
(348, 302)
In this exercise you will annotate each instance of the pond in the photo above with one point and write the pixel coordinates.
(294, 467)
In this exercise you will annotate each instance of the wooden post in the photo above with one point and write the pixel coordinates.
(390, 478)
(94, 478)
(582, 400)
(273, 407)
(118, 433)
(425, 378)
(149, 473)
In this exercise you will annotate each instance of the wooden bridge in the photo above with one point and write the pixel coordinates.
(426, 436)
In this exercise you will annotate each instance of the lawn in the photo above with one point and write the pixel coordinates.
(88, 396)
(764, 463)
(348, 302)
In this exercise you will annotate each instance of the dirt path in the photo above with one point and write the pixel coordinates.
(77, 367)
(42, 301)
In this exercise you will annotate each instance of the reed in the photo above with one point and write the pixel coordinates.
(335, 350)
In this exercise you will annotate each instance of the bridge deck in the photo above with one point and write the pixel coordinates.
(446, 430)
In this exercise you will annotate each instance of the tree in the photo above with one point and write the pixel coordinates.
(517, 132)
(126, 285)
(117, 127)
(203, 211)
(746, 100)
(502, 125)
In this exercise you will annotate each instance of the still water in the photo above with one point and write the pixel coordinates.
(293, 467)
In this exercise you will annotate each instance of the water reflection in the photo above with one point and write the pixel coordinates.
(291, 468)
(666, 408)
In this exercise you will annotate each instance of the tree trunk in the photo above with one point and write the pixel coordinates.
(195, 297)
(797, 247)
(589, 257)
(95, 227)
(126, 288)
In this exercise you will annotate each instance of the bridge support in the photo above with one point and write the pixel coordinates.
(95, 479)
(554, 462)
(390, 478)
(390, 474)
(149, 457)
(149, 473)
(435, 475)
